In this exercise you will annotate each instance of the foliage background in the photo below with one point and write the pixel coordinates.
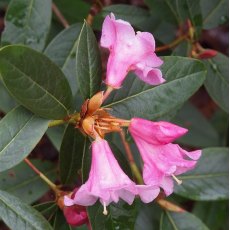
(204, 193)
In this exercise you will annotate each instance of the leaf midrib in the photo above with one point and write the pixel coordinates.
(145, 91)
(211, 12)
(39, 86)
(200, 176)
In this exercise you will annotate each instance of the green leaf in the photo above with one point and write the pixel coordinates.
(18, 215)
(23, 182)
(209, 179)
(55, 135)
(201, 132)
(70, 159)
(183, 77)
(74, 11)
(133, 14)
(148, 217)
(217, 81)
(207, 212)
(88, 63)
(214, 12)
(177, 12)
(20, 131)
(181, 221)
(62, 51)
(47, 208)
(35, 81)
(7, 102)
(27, 22)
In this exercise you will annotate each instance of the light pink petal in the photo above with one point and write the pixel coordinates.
(148, 193)
(167, 185)
(195, 155)
(127, 196)
(68, 201)
(108, 36)
(147, 40)
(150, 76)
(155, 132)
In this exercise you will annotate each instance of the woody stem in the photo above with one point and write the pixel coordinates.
(172, 44)
(60, 16)
(129, 155)
(42, 176)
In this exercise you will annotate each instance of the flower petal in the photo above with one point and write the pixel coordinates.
(148, 193)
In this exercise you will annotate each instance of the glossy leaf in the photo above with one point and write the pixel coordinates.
(88, 63)
(35, 81)
(18, 215)
(70, 159)
(217, 81)
(74, 11)
(133, 14)
(201, 132)
(7, 102)
(214, 12)
(27, 22)
(20, 131)
(177, 12)
(181, 221)
(209, 179)
(207, 212)
(55, 135)
(136, 99)
(62, 51)
(22, 182)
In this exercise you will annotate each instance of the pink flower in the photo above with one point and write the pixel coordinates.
(108, 182)
(162, 159)
(129, 51)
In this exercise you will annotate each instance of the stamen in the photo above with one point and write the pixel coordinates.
(179, 182)
(105, 211)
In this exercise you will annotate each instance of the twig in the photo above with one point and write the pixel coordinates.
(60, 16)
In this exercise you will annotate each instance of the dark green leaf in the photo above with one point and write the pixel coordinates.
(133, 14)
(18, 215)
(209, 179)
(55, 134)
(35, 81)
(27, 22)
(177, 12)
(183, 49)
(217, 81)
(23, 182)
(7, 102)
(181, 221)
(20, 131)
(214, 12)
(71, 153)
(148, 217)
(213, 214)
(46, 209)
(74, 11)
(136, 99)
(88, 63)
(201, 132)
(62, 51)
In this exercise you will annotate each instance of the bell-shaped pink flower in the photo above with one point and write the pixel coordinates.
(162, 159)
(129, 52)
(108, 182)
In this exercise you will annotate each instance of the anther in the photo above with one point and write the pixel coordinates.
(105, 212)
(176, 179)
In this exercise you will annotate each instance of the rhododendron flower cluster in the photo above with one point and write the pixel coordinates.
(163, 161)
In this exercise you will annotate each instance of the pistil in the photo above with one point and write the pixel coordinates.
(105, 211)
(179, 182)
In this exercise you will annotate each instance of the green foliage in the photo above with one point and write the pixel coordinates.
(20, 131)
(35, 82)
(18, 215)
(88, 63)
(209, 180)
(27, 22)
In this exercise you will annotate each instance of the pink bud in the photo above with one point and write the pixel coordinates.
(207, 54)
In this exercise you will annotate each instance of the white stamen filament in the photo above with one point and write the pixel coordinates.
(105, 211)
(179, 182)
